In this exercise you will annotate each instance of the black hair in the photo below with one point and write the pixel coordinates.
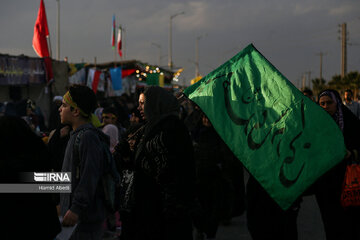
(136, 111)
(84, 98)
(308, 91)
(111, 110)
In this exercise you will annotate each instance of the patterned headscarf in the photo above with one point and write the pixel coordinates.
(338, 115)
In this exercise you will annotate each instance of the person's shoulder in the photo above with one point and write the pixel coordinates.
(109, 127)
(87, 131)
(171, 121)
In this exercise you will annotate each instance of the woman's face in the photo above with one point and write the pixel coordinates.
(328, 104)
(109, 118)
(141, 107)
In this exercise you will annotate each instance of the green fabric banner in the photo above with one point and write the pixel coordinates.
(152, 79)
(285, 140)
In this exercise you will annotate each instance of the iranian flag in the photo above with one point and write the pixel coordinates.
(119, 42)
(95, 80)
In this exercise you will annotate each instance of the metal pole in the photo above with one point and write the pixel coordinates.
(321, 54)
(58, 32)
(303, 82)
(343, 50)
(170, 63)
(170, 47)
(159, 47)
(123, 42)
(197, 56)
(115, 50)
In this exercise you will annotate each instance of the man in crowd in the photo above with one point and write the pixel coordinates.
(84, 158)
(352, 105)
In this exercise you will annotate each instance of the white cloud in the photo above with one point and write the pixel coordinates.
(301, 10)
(195, 17)
(341, 10)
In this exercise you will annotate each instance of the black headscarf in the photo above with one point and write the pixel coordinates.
(346, 120)
(338, 115)
(159, 103)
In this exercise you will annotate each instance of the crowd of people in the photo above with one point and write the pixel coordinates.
(177, 178)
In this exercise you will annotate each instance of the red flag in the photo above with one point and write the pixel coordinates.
(119, 42)
(127, 72)
(41, 32)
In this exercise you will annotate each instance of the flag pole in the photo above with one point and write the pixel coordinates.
(122, 44)
(115, 49)
(123, 41)
(48, 38)
(113, 38)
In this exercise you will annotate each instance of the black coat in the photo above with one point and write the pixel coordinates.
(164, 183)
(337, 222)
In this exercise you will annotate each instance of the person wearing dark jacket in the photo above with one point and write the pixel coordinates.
(164, 180)
(213, 186)
(58, 140)
(265, 218)
(339, 223)
(85, 204)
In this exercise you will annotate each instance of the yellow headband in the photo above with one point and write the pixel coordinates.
(93, 118)
(68, 99)
(110, 115)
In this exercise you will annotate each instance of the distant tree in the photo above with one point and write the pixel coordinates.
(336, 83)
(350, 81)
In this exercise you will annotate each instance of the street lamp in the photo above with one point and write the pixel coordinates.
(58, 32)
(197, 56)
(170, 63)
(159, 47)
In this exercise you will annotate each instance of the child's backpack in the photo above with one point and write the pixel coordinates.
(111, 178)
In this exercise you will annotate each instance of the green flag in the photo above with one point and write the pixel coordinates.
(285, 140)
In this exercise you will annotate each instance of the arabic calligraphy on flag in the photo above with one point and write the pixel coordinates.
(285, 140)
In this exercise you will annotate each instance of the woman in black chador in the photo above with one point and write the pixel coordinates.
(339, 223)
(164, 175)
